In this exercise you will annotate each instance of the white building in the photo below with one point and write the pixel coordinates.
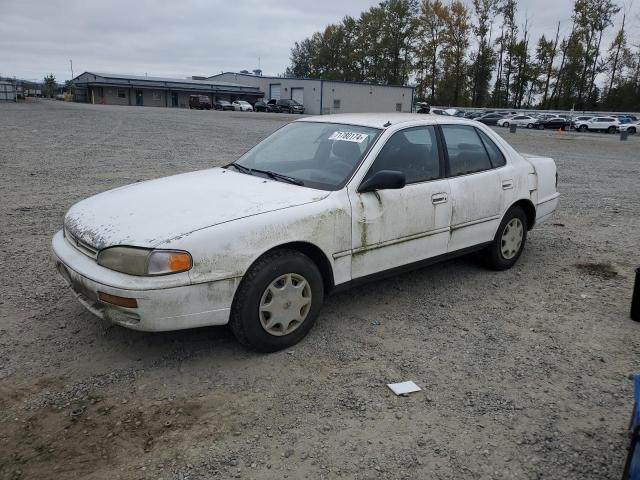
(327, 96)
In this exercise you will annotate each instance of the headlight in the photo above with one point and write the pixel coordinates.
(144, 262)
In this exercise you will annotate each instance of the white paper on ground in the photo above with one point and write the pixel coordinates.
(403, 387)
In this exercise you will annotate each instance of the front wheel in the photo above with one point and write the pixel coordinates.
(582, 128)
(277, 301)
(611, 129)
(631, 130)
(505, 124)
(507, 245)
(529, 125)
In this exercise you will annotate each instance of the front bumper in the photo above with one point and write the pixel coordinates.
(161, 305)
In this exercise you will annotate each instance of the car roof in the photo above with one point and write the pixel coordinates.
(380, 120)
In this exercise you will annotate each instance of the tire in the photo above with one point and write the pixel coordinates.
(631, 130)
(582, 128)
(282, 266)
(529, 125)
(540, 127)
(611, 129)
(505, 124)
(495, 256)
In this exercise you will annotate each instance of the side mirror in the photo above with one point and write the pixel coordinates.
(383, 180)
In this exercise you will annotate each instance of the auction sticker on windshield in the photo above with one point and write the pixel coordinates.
(349, 136)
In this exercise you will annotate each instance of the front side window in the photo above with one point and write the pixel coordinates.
(413, 151)
(321, 155)
(467, 153)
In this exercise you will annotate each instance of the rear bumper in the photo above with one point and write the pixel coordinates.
(159, 309)
(546, 207)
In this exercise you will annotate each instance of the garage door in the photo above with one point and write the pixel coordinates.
(297, 94)
(274, 91)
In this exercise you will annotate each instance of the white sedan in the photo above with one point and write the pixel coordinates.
(242, 106)
(631, 128)
(321, 204)
(519, 120)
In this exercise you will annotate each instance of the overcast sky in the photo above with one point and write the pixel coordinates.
(190, 37)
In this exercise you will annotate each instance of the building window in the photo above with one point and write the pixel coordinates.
(156, 95)
(122, 93)
(398, 107)
(336, 104)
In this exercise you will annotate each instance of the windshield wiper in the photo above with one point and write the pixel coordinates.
(268, 173)
(279, 176)
(239, 167)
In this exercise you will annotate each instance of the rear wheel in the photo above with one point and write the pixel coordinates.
(611, 129)
(529, 125)
(582, 128)
(505, 124)
(507, 245)
(631, 130)
(277, 301)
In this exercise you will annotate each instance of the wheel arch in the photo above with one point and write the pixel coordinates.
(529, 210)
(312, 251)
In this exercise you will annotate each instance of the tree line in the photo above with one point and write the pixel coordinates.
(479, 55)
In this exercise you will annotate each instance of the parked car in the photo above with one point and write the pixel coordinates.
(290, 106)
(519, 120)
(201, 102)
(272, 106)
(242, 106)
(260, 106)
(599, 124)
(222, 105)
(630, 128)
(577, 120)
(439, 111)
(321, 204)
(489, 118)
(473, 115)
(555, 123)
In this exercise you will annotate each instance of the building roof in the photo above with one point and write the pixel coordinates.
(146, 81)
(309, 79)
(163, 79)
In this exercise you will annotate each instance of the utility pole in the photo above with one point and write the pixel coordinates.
(71, 65)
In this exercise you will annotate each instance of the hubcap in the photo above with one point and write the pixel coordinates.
(512, 238)
(285, 304)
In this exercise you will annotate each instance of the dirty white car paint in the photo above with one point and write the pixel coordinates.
(227, 220)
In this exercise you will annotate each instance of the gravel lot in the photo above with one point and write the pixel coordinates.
(524, 372)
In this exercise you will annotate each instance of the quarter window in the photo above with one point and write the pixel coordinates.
(467, 153)
(495, 155)
(413, 151)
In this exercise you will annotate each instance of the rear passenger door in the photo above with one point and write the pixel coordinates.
(475, 183)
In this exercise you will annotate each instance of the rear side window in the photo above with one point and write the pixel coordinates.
(495, 155)
(467, 153)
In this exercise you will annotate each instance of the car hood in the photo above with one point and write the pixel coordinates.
(149, 213)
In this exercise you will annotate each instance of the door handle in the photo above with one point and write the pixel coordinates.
(437, 198)
(507, 184)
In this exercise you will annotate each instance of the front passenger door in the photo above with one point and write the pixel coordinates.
(391, 228)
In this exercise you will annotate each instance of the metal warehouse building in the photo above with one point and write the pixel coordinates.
(7, 91)
(110, 89)
(328, 96)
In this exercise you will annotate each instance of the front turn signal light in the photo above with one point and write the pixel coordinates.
(161, 262)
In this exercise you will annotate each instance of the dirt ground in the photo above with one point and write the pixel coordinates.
(524, 372)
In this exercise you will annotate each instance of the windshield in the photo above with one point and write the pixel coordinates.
(321, 155)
